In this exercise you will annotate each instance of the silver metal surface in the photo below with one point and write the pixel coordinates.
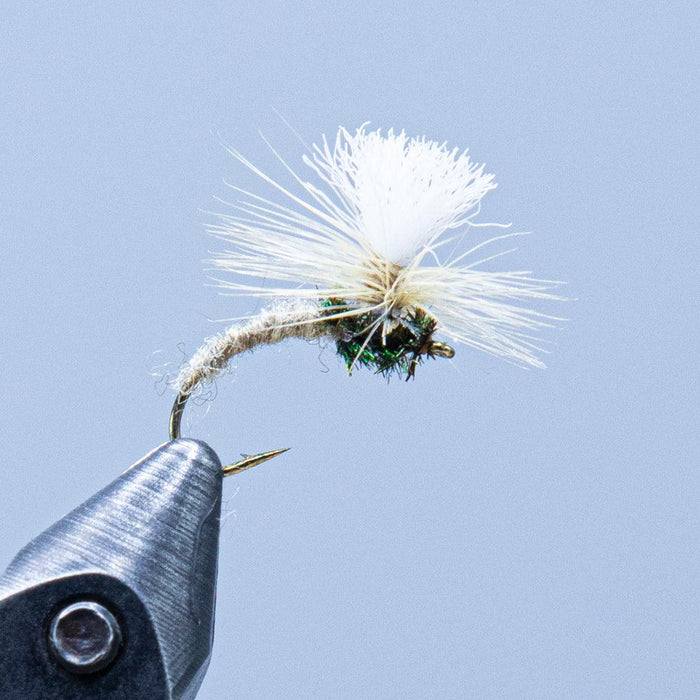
(145, 548)
(85, 637)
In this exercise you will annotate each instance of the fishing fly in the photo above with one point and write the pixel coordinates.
(366, 254)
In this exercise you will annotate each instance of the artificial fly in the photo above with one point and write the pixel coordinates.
(360, 253)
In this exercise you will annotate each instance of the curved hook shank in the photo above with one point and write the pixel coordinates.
(176, 415)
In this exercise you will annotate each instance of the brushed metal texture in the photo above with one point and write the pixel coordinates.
(145, 547)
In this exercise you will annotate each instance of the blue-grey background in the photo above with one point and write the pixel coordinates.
(482, 532)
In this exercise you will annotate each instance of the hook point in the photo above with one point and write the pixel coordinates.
(251, 461)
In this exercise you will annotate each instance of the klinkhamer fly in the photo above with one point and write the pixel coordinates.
(363, 259)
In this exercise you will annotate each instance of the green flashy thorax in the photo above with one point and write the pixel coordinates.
(397, 351)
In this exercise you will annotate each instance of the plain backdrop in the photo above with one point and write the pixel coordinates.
(481, 532)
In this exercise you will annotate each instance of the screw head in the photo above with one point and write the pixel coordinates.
(85, 637)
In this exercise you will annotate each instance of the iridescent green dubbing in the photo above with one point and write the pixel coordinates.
(399, 350)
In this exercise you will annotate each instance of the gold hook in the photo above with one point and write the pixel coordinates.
(247, 462)
(440, 350)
